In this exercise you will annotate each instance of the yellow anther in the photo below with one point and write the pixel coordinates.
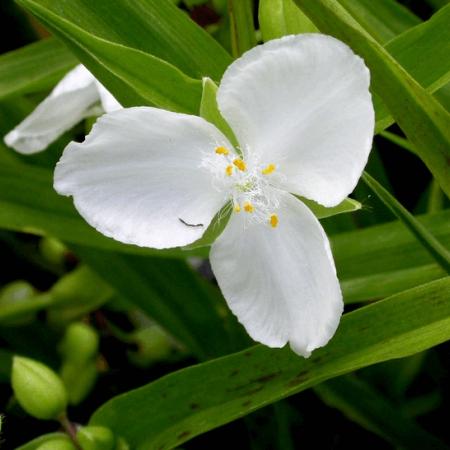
(273, 220)
(269, 169)
(229, 170)
(222, 151)
(237, 207)
(240, 164)
(248, 207)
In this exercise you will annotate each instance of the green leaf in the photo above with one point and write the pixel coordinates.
(384, 248)
(364, 405)
(202, 397)
(383, 19)
(426, 123)
(151, 80)
(210, 111)
(155, 27)
(430, 41)
(22, 71)
(279, 18)
(321, 212)
(422, 51)
(430, 243)
(243, 35)
(379, 285)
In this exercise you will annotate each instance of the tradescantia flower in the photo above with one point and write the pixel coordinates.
(74, 98)
(301, 111)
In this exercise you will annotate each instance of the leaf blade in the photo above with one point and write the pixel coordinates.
(194, 400)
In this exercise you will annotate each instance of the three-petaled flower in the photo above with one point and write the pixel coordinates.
(74, 98)
(302, 113)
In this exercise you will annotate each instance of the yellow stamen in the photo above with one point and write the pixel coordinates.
(248, 207)
(222, 151)
(269, 169)
(237, 207)
(240, 164)
(273, 220)
(229, 170)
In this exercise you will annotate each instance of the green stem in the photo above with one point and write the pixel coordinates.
(398, 140)
(242, 29)
(70, 429)
(33, 304)
(440, 254)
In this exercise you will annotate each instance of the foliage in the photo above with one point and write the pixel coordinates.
(140, 342)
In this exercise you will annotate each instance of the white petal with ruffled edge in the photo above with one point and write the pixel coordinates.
(68, 104)
(302, 102)
(138, 176)
(280, 282)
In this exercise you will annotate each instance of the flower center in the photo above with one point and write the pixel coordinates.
(248, 185)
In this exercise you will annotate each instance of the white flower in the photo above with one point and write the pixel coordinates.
(302, 113)
(74, 98)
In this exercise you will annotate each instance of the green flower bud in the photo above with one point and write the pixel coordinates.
(154, 344)
(78, 379)
(38, 389)
(57, 444)
(80, 343)
(52, 250)
(19, 291)
(95, 438)
(122, 444)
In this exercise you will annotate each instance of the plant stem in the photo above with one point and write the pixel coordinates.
(70, 429)
(398, 140)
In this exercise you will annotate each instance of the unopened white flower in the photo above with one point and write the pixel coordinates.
(302, 113)
(77, 96)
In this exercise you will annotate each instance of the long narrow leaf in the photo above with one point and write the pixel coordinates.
(155, 27)
(147, 79)
(364, 405)
(23, 71)
(197, 399)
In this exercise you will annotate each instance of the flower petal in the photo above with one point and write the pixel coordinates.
(302, 103)
(66, 105)
(138, 177)
(280, 282)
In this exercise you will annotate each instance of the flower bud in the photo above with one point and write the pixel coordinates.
(78, 379)
(52, 250)
(80, 343)
(38, 389)
(122, 444)
(154, 344)
(59, 443)
(95, 438)
(19, 291)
